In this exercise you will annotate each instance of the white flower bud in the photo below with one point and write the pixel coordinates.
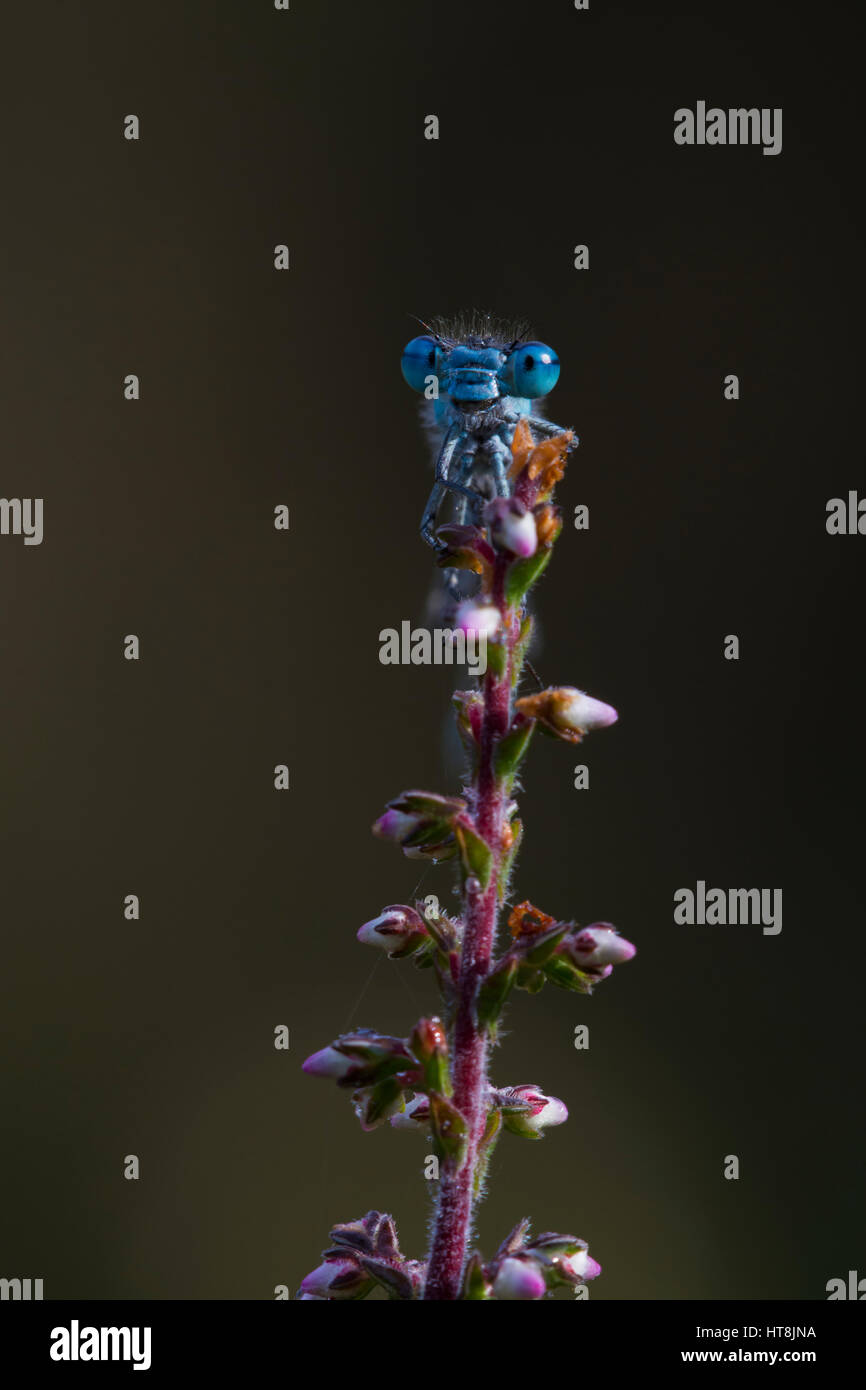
(394, 928)
(544, 1111)
(512, 526)
(599, 945)
(580, 712)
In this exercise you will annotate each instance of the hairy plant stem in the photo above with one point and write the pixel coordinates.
(470, 1043)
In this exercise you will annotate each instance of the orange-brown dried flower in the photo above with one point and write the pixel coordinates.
(528, 920)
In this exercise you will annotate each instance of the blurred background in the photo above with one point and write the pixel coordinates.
(261, 647)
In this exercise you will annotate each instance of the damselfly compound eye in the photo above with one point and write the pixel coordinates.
(533, 370)
(418, 362)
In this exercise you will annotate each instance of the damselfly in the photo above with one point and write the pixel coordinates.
(479, 377)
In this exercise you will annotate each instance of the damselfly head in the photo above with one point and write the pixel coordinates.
(476, 368)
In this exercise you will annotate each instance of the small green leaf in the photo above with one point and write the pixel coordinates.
(429, 1047)
(545, 945)
(497, 657)
(567, 976)
(494, 991)
(448, 1125)
(512, 749)
(523, 574)
(429, 832)
(382, 1101)
(492, 1130)
(475, 1286)
(442, 930)
(467, 703)
(509, 858)
(521, 646)
(530, 980)
(476, 854)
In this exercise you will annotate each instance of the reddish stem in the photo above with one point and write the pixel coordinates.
(470, 1044)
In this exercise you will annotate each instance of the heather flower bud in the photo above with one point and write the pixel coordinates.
(416, 1115)
(398, 930)
(597, 946)
(359, 1059)
(519, 1279)
(480, 618)
(340, 1277)
(567, 713)
(512, 526)
(330, 1063)
(580, 1267)
(428, 1039)
(576, 711)
(564, 1259)
(397, 825)
(527, 1111)
(420, 820)
(429, 1044)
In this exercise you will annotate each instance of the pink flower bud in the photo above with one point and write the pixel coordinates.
(421, 821)
(599, 945)
(519, 1280)
(483, 619)
(397, 825)
(415, 1116)
(329, 1063)
(362, 1058)
(337, 1278)
(512, 526)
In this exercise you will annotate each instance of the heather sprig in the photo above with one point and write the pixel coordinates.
(436, 1080)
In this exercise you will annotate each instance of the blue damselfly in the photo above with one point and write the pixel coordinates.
(478, 377)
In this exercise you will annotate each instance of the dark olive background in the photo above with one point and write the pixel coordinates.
(707, 518)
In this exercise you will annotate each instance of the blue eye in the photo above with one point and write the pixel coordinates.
(418, 362)
(533, 370)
